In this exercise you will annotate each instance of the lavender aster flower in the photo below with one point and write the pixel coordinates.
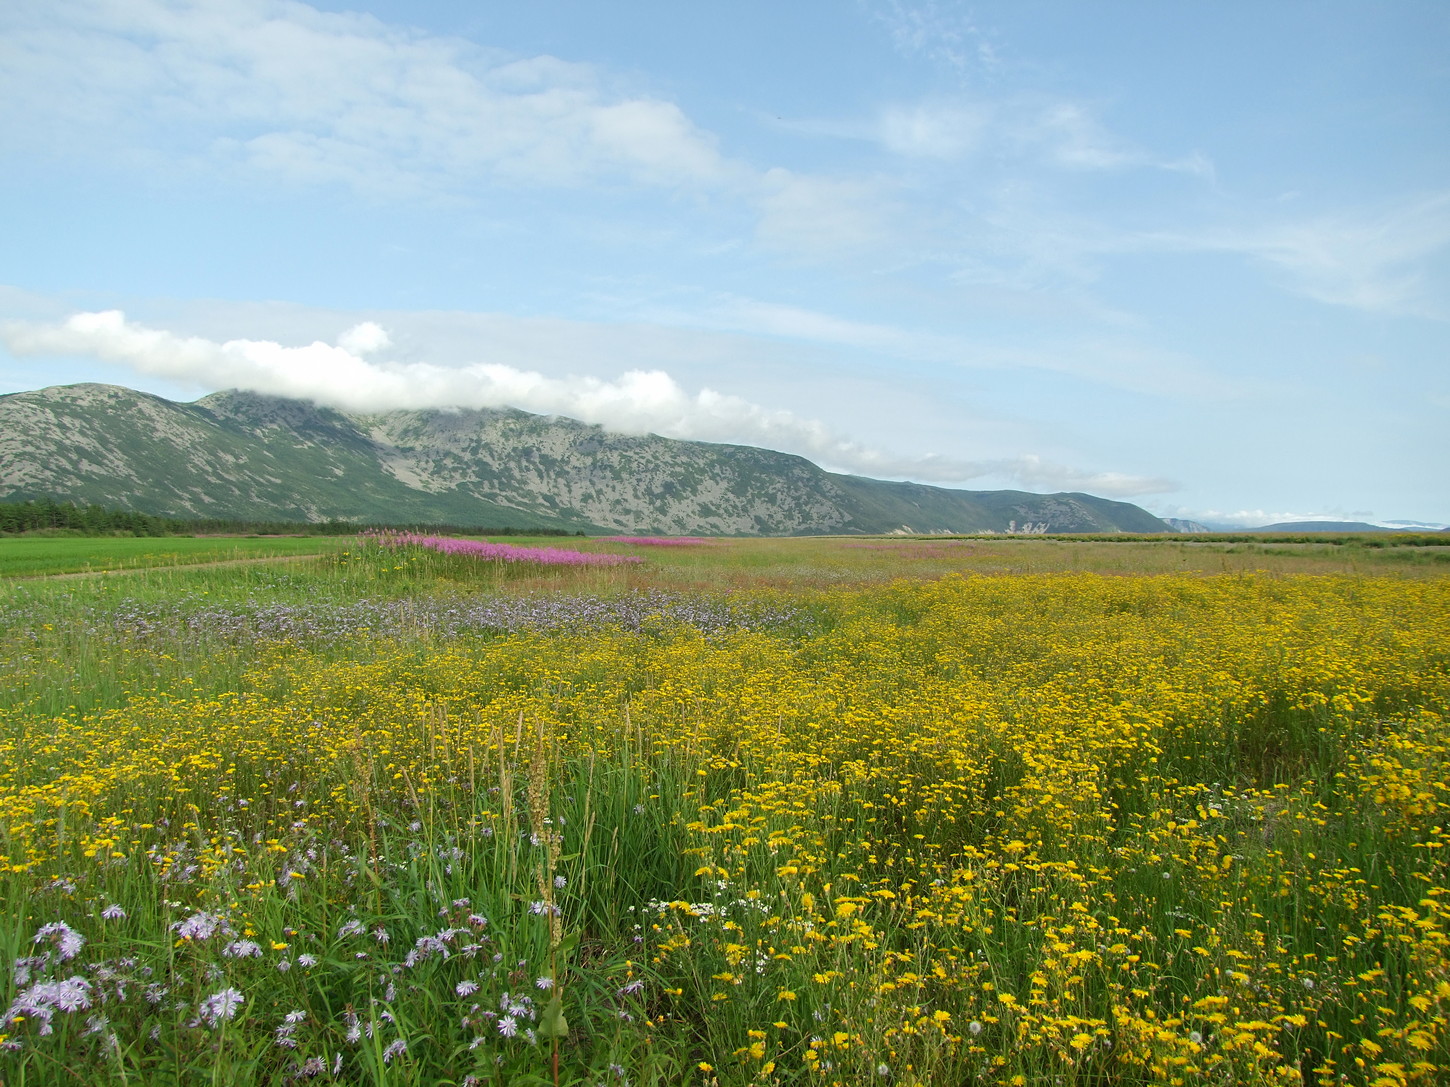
(395, 1049)
(220, 1007)
(42, 1000)
(68, 942)
(202, 926)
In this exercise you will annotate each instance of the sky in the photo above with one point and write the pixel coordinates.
(1194, 256)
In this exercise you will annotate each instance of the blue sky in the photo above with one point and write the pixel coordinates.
(1195, 256)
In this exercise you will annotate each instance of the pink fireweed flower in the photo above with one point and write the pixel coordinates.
(498, 552)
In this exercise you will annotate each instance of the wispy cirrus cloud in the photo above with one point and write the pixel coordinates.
(820, 215)
(1107, 360)
(1381, 260)
(939, 31)
(347, 375)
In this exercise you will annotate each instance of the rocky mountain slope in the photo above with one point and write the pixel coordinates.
(239, 454)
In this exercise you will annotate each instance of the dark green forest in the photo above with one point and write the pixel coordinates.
(46, 516)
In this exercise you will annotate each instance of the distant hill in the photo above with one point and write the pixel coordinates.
(240, 454)
(1178, 524)
(1326, 526)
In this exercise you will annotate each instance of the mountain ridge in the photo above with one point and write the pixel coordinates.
(247, 454)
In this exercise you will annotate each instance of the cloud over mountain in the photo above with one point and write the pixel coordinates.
(345, 375)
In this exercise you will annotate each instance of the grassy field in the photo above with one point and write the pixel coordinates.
(35, 556)
(802, 562)
(1011, 811)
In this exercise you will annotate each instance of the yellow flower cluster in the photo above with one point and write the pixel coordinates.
(1065, 829)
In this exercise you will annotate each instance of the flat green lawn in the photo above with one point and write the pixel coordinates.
(32, 556)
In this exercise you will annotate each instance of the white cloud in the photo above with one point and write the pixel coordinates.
(934, 129)
(761, 318)
(1025, 130)
(1378, 261)
(1374, 262)
(1073, 138)
(1114, 362)
(638, 401)
(282, 89)
(365, 339)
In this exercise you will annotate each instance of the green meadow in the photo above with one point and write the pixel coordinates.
(37, 556)
(892, 810)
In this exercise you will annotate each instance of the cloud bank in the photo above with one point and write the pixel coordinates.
(345, 375)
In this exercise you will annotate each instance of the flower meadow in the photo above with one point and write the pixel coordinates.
(1058, 829)
(484, 551)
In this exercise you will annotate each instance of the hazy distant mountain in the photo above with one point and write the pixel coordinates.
(238, 454)
(1178, 524)
(1327, 526)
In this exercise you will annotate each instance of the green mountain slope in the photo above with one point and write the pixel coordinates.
(241, 454)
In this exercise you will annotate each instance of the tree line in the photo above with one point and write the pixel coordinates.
(67, 518)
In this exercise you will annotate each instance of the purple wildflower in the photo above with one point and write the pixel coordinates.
(68, 942)
(202, 926)
(396, 1049)
(220, 1007)
(43, 999)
